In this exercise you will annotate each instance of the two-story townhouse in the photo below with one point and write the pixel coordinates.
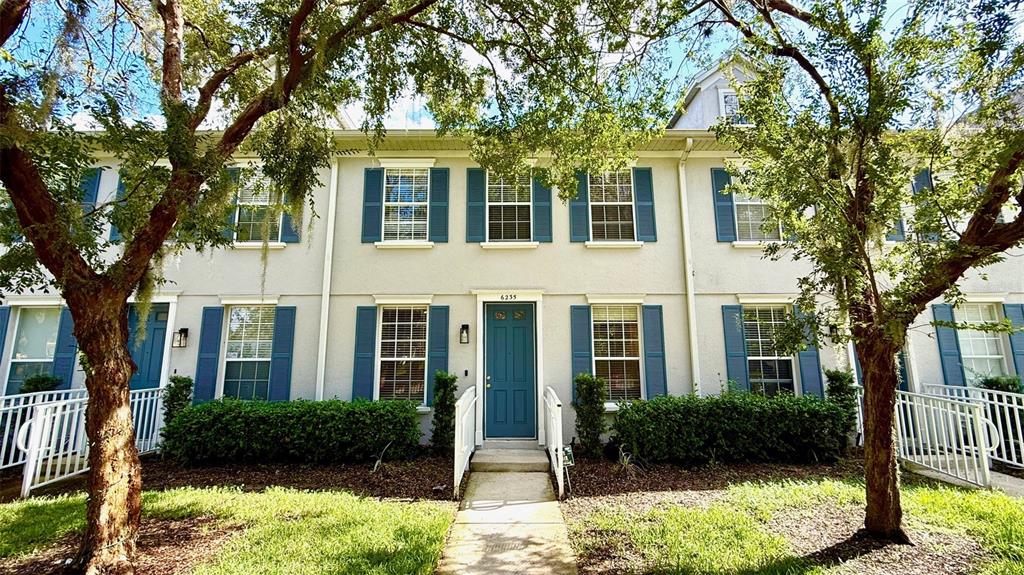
(420, 260)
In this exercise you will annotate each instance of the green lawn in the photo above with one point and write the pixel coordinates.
(285, 531)
(735, 530)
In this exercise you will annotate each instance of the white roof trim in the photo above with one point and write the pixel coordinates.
(780, 298)
(391, 299)
(603, 298)
(248, 299)
(406, 162)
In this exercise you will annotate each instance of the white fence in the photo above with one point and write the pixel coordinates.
(15, 411)
(553, 437)
(1003, 409)
(55, 445)
(465, 434)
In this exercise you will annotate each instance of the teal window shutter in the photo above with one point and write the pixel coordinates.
(901, 363)
(476, 204)
(90, 188)
(115, 234)
(438, 210)
(735, 346)
(290, 229)
(897, 233)
(437, 346)
(923, 181)
(949, 346)
(229, 221)
(725, 217)
(541, 212)
(810, 364)
(66, 351)
(654, 351)
(580, 342)
(365, 353)
(579, 210)
(1012, 312)
(208, 360)
(643, 203)
(281, 353)
(373, 204)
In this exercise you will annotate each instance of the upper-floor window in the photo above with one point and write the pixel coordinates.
(980, 351)
(403, 352)
(509, 208)
(770, 371)
(616, 333)
(753, 220)
(247, 355)
(406, 199)
(257, 216)
(35, 343)
(611, 206)
(729, 107)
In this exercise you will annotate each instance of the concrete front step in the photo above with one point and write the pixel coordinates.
(512, 460)
(510, 444)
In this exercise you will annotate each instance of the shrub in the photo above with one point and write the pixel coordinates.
(442, 437)
(591, 393)
(842, 390)
(1009, 383)
(177, 396)
(233, 431)
(40, 382)
(732, 428)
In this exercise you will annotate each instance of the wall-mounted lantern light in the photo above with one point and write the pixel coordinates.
(464, 333)
(180, 338)
(833, 331)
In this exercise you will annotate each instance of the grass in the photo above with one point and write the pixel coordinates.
(731, 534)
(286, 531)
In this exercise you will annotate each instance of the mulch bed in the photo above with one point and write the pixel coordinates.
(822, 535)
(165, 547)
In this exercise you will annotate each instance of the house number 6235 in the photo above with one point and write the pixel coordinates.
(509, 297)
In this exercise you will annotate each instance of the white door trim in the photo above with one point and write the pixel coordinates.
(536, 297)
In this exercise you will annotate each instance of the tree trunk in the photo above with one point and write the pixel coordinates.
(884, 514)
(115, 483)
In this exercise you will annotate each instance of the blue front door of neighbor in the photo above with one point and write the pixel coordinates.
(148, 354)
(510, 388)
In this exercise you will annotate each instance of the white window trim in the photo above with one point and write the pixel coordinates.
(613, 299)
(391, 299)
(241, 300)
(752, 243)
(993, 298)
(488, 243)
(422, 407)
(613, 406)
(1001, 338)
(222, 366)
(258, 245)
(773, 301)
(766, 299)
(722, 93)
(406, 162)
(254, 244)
(403, 244)
(592, 243)
(9, 359)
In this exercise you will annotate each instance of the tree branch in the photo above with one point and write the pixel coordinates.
(12, 14)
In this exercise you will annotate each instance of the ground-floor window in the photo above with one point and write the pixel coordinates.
(980, 351)
(247, 356)
(35, 342)
(616, 333)
(771, 373)
(403, 352)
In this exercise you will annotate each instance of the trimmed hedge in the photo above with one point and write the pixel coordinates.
(232, 431)
(733, 427)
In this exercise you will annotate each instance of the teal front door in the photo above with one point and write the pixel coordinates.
(148, 354)
(510, 389)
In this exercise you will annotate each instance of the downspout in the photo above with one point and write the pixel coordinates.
(325, 289)
(691, 298)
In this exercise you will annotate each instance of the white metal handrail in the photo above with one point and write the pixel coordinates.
(15, 410)
(1005, 412)
(55, 443)
(465, 434)
(553, 436)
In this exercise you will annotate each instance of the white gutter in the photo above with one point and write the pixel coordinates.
(325, 289)
(691, 299)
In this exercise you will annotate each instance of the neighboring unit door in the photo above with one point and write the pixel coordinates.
(510, 388)
(148, 354)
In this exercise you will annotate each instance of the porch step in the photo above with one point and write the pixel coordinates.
(521, 460)
(529, 444)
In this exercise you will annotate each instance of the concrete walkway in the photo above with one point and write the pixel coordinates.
(509, 522)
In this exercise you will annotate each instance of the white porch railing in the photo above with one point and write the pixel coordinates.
(1004, 409)
(465, 434)
(553, 437)
(15, 410)
(55, 443)
(947, 435)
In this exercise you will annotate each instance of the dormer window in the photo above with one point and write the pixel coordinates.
(729, 106)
